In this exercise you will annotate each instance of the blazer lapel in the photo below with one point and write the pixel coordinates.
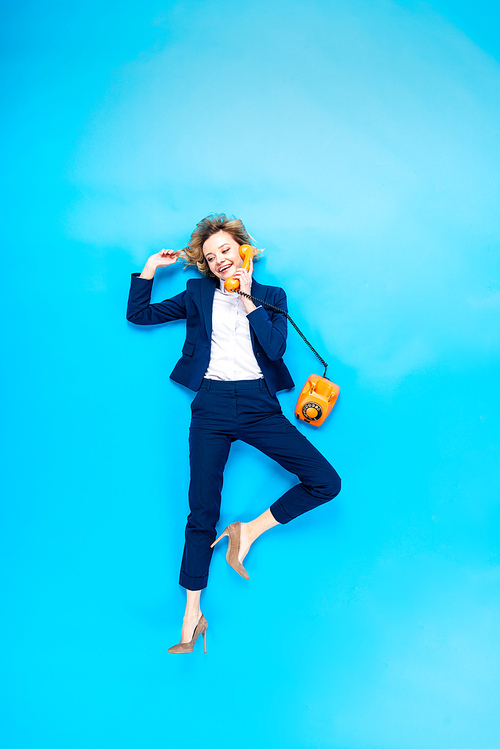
(208, 287)
(260, 292)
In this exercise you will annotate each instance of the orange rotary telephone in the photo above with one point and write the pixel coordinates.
(246, 252)
(319, 395)
(316, 400)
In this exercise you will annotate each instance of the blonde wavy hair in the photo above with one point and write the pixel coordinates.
(193, 253)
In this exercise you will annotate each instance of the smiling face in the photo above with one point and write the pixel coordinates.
(222, 254)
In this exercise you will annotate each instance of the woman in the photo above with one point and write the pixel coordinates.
(232, 357)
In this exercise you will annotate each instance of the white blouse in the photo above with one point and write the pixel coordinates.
(231, 353)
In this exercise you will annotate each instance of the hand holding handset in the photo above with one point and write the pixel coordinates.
(246, 252)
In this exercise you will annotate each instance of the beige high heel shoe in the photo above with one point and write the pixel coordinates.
(233, 532)
(187, 647)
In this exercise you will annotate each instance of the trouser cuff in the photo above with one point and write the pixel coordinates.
(279, 514)
(192, 583)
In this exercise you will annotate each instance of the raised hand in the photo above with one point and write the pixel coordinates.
(164, 258)
(159, 260)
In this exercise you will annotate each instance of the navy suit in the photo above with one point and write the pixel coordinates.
(223, 412)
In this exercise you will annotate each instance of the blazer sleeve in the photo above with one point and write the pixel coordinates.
(270, 327)
(141, 312)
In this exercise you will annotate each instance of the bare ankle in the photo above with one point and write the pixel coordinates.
(251, 531)
(195, 614)
(193, 606)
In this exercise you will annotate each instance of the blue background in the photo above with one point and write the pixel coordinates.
(358, 141)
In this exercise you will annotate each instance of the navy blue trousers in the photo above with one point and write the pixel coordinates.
(223, 412)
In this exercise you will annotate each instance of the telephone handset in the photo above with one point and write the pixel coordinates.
(246, 252)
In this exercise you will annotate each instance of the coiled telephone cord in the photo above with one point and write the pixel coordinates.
(277, 309)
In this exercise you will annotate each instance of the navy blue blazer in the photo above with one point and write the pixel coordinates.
(267, 328)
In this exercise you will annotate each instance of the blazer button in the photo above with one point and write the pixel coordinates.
(258, 353)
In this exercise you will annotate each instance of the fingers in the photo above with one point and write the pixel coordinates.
(241, 274)
(250, 266)
(169, 255)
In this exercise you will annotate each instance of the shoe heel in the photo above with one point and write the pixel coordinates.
(224, 533)
(205, 640)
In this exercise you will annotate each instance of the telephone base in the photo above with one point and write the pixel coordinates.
(316, 400)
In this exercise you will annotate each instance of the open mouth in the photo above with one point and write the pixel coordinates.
(225, 267)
